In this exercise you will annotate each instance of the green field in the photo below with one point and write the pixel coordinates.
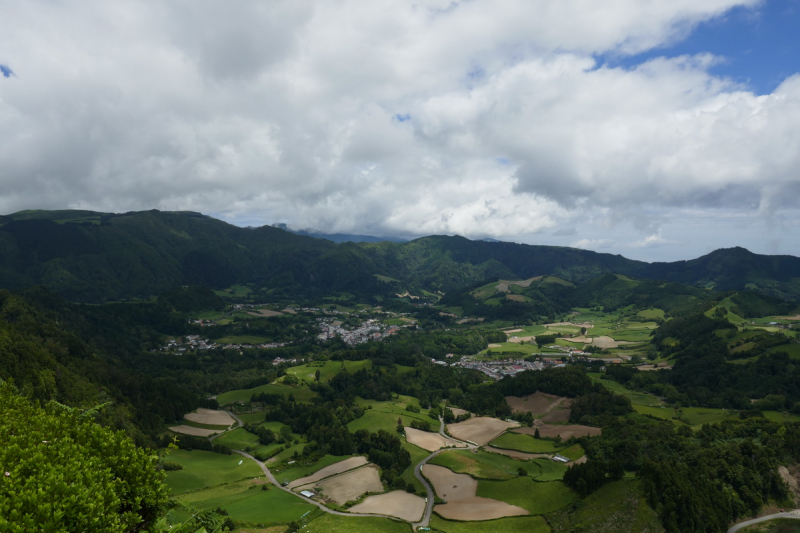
(245, 501)
(573, 453)
(636, 398)
(522, 524)
(298, 470)
(239, 439)
(617, 506)
(327, 369)
(536, 497)
(207, 469)
(487, 465)
(525, 443)
(328, 523)
(301, 393)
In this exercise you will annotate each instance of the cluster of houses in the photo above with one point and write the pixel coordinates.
(369, 330)
(196, 343)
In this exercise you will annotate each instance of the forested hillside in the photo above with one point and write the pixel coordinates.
(94, 257)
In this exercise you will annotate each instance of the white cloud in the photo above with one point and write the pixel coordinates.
(288, 111)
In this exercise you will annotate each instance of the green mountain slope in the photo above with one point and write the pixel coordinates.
(95, 257)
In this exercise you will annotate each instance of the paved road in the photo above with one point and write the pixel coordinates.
(274, 481)
(426, 516)
(789, 514)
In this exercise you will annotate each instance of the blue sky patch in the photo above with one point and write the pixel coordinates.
(760, 46)
(5, 71)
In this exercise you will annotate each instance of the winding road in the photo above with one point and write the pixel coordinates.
(789, 514)
(426, 516)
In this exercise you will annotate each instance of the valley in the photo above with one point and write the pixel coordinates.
(569, 400)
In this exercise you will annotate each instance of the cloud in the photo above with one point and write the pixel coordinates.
(592, 244)
(652, 240)
(488, 118)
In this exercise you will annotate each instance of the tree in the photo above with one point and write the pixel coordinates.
(536, 434)
(64, 472)
(317, 374)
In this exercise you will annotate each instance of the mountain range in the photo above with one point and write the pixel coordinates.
(95, 257)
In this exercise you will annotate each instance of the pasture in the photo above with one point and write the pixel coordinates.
(246, 501)
(524, 492)
(525, 443)
(301, 393)
(523, 524)
(327, 369)
(328, 523)
(616, 506)
(206, 469)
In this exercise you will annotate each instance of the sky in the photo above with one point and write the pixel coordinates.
(655, 129)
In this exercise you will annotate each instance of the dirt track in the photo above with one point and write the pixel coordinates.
(336, 468)
(429, 441)
(398, 503)
(479, 430)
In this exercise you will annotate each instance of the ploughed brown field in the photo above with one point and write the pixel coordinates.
(213, 417)
(429, 441)
(349, 486)
(459, 491)
(196, 432)
(398, 503)
(479, 430)
(332, 470)
(264, 312)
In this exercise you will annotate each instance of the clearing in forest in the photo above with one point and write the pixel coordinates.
(430, 441)
(332, 470)
(536, 404)
(398, 503)
(479, 430)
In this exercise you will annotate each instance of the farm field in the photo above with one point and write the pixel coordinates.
(343, 488)
(328, 523)
(617, 506)
(459, 491)
(525, 443)
(565, 432)
(246, 501)
(535, 497)
(327, 369)
(330, 470)
(206, 469)
(239, 439)
(479, 430)
(430, 441)
(297, 471)
(301, 393)
(212, 417)
(186, 429)
(538, 404)
(397, 503)
(485, 465)
(523, 524)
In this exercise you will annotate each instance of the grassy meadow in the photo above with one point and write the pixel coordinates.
(536, 497)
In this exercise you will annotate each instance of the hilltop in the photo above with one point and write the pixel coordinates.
(95, 257)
